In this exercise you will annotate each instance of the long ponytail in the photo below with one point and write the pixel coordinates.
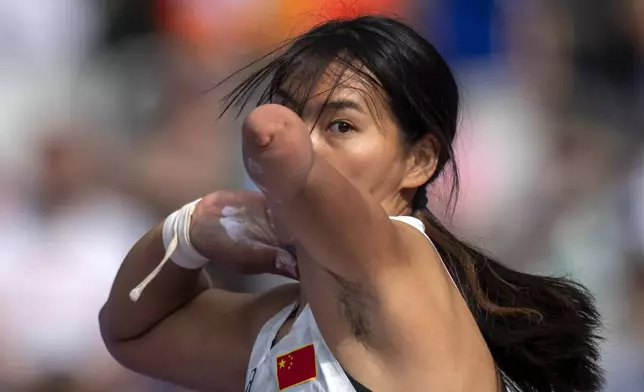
(542, 331)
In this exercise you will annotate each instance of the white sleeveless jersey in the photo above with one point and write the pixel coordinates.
(301, 361)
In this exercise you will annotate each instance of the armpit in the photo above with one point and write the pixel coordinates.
(354, 303)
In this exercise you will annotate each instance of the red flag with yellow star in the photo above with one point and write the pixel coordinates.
(296, 367)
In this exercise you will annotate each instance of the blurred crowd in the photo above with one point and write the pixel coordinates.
(108, 123)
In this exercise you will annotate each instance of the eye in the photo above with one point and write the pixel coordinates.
(341, 127)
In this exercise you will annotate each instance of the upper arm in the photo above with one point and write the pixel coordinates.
(375, 305)
(341, 226)
(404, 317)
(357, 267)
(206, 344)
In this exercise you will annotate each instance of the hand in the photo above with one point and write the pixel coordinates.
(234, 229)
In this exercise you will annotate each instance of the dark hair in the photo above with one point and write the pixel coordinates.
(542, 331)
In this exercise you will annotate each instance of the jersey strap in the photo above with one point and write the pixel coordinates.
(418, 225)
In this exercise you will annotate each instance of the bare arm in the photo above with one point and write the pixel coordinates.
(122, 319)
(180, 330)
(351, 251)
(326, 213)
(343, 218)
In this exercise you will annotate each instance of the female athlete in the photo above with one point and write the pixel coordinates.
(355, 118)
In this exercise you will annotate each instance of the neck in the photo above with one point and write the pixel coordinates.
(397, 206)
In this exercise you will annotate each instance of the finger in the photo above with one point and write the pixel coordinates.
(246, 228)
(286, 263)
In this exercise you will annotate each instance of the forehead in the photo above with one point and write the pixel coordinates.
(338, 82)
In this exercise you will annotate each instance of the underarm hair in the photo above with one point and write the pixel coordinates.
(354, 303)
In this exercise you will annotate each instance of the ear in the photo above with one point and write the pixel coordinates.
(421, 163)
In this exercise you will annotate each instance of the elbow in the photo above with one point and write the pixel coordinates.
(107, 334)
(111, 342)
(116, 347)
(108, 326)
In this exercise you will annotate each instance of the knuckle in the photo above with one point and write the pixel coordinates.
(217, 199)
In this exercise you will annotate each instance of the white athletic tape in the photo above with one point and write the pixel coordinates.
(176, 240)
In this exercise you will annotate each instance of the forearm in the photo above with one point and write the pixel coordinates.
(122, 319)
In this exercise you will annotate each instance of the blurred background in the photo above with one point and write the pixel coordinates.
(105, 128)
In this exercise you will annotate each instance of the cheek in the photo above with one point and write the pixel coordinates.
(366, 163)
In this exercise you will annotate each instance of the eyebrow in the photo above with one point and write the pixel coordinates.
(344, 104)
(337, 104)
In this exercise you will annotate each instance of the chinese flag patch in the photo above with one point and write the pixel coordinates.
(296, 367)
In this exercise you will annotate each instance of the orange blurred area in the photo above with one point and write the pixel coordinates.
(213, 26)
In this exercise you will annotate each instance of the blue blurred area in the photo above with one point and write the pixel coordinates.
(463, 30)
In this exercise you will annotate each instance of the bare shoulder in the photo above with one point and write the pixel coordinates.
(405, 293)
(414, 245)
(396, 322)
(426, 318)
(395, 295)
(206, 345)
(418, 284)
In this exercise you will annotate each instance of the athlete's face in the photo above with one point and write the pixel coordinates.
(356, 133)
